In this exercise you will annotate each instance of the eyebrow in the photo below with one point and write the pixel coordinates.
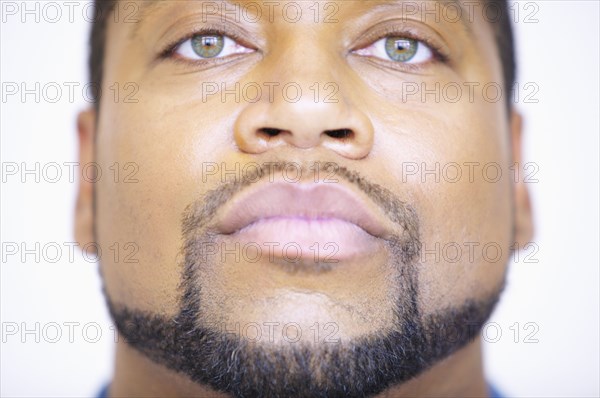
(420, 8)
(149, 7)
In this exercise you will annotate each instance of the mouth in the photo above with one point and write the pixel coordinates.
(308, 220)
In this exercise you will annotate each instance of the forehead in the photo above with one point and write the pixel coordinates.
(456, 12)
(409, 6)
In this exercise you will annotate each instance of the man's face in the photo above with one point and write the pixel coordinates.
(294, 194)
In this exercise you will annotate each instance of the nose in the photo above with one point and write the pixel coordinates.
(304, 124)
(307, 107)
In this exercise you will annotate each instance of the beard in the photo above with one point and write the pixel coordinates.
(359, 367)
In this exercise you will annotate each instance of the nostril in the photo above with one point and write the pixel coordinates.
(271, 132)
(339, 133)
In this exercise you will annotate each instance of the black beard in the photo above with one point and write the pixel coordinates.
(359, 368)
(356, 368)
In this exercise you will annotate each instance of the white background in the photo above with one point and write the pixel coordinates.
(560, 293)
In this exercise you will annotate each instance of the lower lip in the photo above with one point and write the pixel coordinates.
(297, 238)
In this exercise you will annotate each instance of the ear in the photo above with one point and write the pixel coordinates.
(523, 214)
(84, 209)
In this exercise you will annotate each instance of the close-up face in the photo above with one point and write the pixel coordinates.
(320, 193)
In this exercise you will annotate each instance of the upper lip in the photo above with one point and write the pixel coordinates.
(311, 201)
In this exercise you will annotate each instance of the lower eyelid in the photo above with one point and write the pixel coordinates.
(191, 54)
(380, 46)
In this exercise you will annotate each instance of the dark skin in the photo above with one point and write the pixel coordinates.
(169, 136)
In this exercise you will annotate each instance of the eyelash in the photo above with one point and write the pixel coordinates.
(438, 54)
(169, 52)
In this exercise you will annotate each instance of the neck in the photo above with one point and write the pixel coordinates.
(461, 374)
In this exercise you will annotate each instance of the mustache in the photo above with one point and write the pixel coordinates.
(198, 215)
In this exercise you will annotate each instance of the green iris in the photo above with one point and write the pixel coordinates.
(400, 48)
(208, 46)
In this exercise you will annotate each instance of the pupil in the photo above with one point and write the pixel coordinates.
(209, 41)
(402, 45)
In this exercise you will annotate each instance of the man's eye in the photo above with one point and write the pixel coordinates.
(398, 49)
(205, 46)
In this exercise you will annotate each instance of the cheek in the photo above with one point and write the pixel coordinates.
(152, 162)
(453, 163)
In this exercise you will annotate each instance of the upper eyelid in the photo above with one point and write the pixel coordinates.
(370, 38)
(431, 48)
(437, 52)
(409, 29)
(187, 59)
(170, 48)
(173, 47)
(405, 65)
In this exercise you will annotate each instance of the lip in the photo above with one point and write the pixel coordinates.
(302, 205)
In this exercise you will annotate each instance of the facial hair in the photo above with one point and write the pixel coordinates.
(360, 367)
